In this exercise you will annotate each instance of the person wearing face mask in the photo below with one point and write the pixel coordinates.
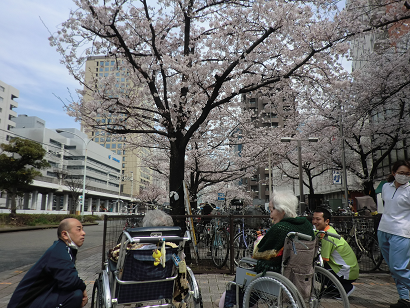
(394, 229)
(53, 281)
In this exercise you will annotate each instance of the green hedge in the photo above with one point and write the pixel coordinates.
(21, 220)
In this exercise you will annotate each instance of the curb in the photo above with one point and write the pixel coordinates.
(4, 230)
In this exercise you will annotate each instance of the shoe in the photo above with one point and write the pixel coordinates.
(401, 303)
(349, 293)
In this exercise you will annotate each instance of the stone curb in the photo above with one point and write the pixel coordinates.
(3, 230)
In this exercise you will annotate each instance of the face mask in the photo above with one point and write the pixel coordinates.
(402, 178)
(72, 244)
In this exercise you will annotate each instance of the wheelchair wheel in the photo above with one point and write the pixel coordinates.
(219, 247)
(97, 296)
(194, 297)
(327, 291)
(272, 291)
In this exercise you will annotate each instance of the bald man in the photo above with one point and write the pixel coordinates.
(53, 281)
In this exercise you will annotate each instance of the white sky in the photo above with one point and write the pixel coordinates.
(30, 64)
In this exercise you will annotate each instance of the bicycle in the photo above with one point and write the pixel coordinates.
(243, 241)
(364, 244)
(219, 243)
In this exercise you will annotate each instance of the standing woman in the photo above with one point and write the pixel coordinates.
(394, 229)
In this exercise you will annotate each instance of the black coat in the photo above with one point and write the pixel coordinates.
(55, 271)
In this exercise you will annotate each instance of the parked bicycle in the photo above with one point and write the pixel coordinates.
(364, 243)
(219, 243)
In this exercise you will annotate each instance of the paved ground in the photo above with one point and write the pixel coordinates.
(372, 290)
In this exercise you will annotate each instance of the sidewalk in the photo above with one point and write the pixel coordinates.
(372, 290)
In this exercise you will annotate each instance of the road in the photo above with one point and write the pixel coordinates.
(26, 247)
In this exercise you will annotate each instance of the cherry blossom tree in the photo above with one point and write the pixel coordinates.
(186, 61)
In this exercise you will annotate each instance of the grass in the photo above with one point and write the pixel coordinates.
(25, 220)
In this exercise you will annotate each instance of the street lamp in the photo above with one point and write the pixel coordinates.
(85, 167)
(310, 139)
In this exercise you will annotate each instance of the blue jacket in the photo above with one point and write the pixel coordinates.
(54, 272)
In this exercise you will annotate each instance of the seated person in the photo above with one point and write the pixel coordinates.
(339, 259)
(269, 250)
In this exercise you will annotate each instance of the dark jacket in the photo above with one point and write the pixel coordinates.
(54, 272)
(270, 249)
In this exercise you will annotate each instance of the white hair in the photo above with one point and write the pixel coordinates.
(285, 202)
(157, 218)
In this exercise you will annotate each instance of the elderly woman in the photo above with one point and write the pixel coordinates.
(269, 250)
(157, 218)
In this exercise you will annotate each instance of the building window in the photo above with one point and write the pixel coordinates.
(107, 63)
(123, 165)
(97, 133)
(2, 89)
(119, 152)
(96, 139)
(102, 139)
(1, 99)
(119, 145)
(101, 63)
(112, 62)
(113, 146)
(1, 109)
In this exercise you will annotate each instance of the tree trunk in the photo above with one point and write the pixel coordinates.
(176, 178)
(368, 189)
(13, 202)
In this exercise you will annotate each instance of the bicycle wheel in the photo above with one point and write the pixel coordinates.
(327, 291)
(272, 291)
(220, 247)
(243, 245)
(372, 245)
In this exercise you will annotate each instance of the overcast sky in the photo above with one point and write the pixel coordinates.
(30, 64)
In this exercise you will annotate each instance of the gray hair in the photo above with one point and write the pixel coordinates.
(285, 201)
(157, 218)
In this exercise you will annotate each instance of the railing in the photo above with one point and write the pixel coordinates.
(198, 257)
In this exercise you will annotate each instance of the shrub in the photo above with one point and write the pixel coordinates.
(21, 220)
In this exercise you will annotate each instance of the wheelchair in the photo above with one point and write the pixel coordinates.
(140, 279)
(302, 283)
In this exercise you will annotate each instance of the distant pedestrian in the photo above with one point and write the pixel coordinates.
(394, 229)
(53, 281)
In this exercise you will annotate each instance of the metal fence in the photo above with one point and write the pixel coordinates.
(199, 255)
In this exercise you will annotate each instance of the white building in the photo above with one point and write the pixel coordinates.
(54, 190)
(7, 114)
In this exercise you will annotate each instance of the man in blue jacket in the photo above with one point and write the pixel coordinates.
(53, 281)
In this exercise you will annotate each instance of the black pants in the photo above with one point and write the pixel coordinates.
(347, 284)
(70, 299)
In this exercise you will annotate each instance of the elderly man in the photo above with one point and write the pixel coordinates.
(53, 281)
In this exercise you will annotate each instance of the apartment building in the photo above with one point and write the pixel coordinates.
(8, 94)
(132, 167)
(263, 116)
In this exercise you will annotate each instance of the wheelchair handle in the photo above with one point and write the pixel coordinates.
(301, 236)
(330, 234)
(175, 239)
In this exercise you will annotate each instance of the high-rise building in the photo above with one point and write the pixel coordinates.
(263, 116)
(8, 94)
(132, 167)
